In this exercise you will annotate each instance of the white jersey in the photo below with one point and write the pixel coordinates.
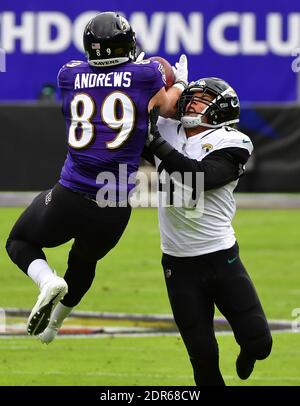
(209, 227)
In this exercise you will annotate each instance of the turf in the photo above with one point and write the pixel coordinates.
(140, 361)
(129, 279)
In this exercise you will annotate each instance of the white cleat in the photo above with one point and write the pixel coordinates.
(51, 293)
(49, 334)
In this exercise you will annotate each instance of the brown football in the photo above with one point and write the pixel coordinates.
(169, 74)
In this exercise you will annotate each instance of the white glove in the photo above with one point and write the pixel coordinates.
(140, 57)
(181, 70)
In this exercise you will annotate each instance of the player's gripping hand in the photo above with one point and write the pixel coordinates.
(153, 132)
(181, 70)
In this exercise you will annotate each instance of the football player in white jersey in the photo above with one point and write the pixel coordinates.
(200, 253)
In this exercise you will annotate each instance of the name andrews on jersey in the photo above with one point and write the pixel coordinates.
(112, 79)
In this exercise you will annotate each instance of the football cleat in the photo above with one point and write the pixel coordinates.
(50, 295)
(244, 365)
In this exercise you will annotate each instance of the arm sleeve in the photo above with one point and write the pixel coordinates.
(148, 155)
(219, 167)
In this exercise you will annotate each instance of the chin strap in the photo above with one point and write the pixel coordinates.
(196, 121)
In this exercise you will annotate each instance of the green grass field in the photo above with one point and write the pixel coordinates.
(130, 279)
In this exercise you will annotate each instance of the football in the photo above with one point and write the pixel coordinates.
(168, 71)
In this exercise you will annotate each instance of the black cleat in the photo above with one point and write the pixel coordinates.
(244, 365)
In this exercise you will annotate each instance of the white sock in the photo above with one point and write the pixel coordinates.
(59, 314)
(40, 272)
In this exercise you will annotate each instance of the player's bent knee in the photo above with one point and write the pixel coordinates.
(10, 247)
(264, 349)
(22, 252)
(259, 348)
(256, 337)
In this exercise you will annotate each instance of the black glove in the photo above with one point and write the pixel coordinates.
(155, 142)
(153, 132)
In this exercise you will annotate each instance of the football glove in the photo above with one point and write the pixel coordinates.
(155, 142)
(181, 70)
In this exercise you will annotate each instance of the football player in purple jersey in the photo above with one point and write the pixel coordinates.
(106, 100)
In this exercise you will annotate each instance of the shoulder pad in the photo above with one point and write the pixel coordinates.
(227, 137)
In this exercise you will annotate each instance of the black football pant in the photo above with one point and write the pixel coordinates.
(57, 216)
(195, 285)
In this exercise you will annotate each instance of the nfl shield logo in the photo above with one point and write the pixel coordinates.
(95, 46)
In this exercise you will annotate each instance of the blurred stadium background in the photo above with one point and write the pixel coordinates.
(256, 48)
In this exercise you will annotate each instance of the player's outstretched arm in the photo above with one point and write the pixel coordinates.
(166, 100)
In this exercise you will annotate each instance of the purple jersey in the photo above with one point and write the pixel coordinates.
(106, 112)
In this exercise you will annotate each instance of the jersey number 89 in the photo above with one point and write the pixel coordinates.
(81, 119)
